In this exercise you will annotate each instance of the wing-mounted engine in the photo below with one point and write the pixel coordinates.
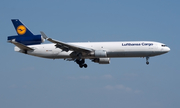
(99, 53)
(101, 60)
(100, 57)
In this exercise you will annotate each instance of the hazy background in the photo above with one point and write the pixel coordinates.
(31, 82)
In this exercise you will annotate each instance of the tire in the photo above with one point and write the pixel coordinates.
(80, 66)
(147, 63)
(85, 65)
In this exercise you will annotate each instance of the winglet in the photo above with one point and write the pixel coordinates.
(43, 35)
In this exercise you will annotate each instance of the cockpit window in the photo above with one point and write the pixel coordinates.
(164, 45)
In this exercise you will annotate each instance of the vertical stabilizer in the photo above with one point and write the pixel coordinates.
(25, 36)
(20, 28)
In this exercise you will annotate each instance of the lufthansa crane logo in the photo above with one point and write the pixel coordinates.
(21, 30)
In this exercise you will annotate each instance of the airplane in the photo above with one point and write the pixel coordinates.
(99, 52)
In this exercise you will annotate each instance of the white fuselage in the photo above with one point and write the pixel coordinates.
(113, 49)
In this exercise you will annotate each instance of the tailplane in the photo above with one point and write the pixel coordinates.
(25, 36)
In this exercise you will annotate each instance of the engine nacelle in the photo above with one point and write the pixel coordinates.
(99, 53)
(101, 60)
(27, 40)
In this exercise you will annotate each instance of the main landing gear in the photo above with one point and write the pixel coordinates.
(81, 63)
(147, 62)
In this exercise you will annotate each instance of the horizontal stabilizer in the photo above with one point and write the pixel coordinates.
(21, 46)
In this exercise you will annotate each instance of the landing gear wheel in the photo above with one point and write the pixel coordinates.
(81, 66)
(147, 63)
(85, 65)
(81, 63)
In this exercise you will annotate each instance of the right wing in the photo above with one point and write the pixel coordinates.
(66, 46)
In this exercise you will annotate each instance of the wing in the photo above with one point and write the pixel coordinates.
(66, 46)
(21, 46)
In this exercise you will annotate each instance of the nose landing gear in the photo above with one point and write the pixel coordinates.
(147, 62)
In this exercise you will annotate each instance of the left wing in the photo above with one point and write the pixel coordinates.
(66, 47)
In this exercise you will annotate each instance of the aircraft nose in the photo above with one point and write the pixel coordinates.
(167, 49)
